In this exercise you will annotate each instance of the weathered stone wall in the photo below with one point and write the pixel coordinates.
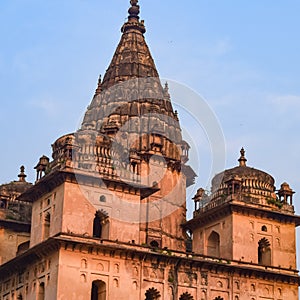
(30, 282)
(9, 241)
(249, 230)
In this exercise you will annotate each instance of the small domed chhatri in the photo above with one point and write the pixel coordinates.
(10, 207)
(245, 220)
(248, 185)
(250, 180)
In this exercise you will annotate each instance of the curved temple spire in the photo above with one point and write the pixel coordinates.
(132, 58)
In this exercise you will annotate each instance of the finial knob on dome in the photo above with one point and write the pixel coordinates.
(242, 160)
(99, 86)
(22, 174)
(134, 2)
(167, 87)
(133, 22)
(134, 10)
(166, 92)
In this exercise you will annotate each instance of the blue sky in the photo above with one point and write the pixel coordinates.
(241, 56)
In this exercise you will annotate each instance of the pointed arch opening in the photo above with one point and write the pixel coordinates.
(154, 244)
(264, 252)
(186, 296)
(47, 219)
(264, 228)
(152, 294)
(97, 226)
(41, 291)
(213, 244)
(98, 290)
(100, 223)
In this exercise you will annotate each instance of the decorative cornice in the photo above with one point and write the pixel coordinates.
(228, 208)
(133, 251)
(49, 182)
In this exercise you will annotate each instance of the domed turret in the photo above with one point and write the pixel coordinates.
(10, 207)
(251, 182)
(246, 185)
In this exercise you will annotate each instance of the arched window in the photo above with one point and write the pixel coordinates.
(98, 290)
(186, 296)
(47, 220)
(152, 294)
(116, 283)
(264, 252)
(3, 203)
(83, 278)
(41, 291)
(83, 263)
(100, 224)
(189, 241)
(219, 298)
(102, 198)
(97, 226)
(213, 245)
(264, 228)
(154, 244)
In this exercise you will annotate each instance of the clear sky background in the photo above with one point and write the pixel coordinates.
(241, 56)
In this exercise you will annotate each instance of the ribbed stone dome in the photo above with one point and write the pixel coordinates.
(260, 178)
(251, 180)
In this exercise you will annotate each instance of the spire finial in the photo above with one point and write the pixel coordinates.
(166, 86)
(242, 160)
(134, 10)
(99, 86)
(133, 18)
(22, 174)
(166, 91)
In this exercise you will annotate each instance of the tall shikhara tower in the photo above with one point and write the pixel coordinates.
(109, 210)
(127, 159)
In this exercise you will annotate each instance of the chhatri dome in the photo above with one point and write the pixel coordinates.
(255, 181)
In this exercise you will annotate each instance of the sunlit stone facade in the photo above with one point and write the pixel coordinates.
(108, 210)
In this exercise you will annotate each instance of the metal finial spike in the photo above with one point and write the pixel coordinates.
(133, 22)
(99, 87)
(167, 86)
(242, 152)
(242, 160)
(22, 174)
(134, 2)
(166, 91)
(134, 10)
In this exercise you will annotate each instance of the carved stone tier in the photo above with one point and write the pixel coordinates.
(246, 185)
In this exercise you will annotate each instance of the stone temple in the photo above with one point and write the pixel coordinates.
(106, 216)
